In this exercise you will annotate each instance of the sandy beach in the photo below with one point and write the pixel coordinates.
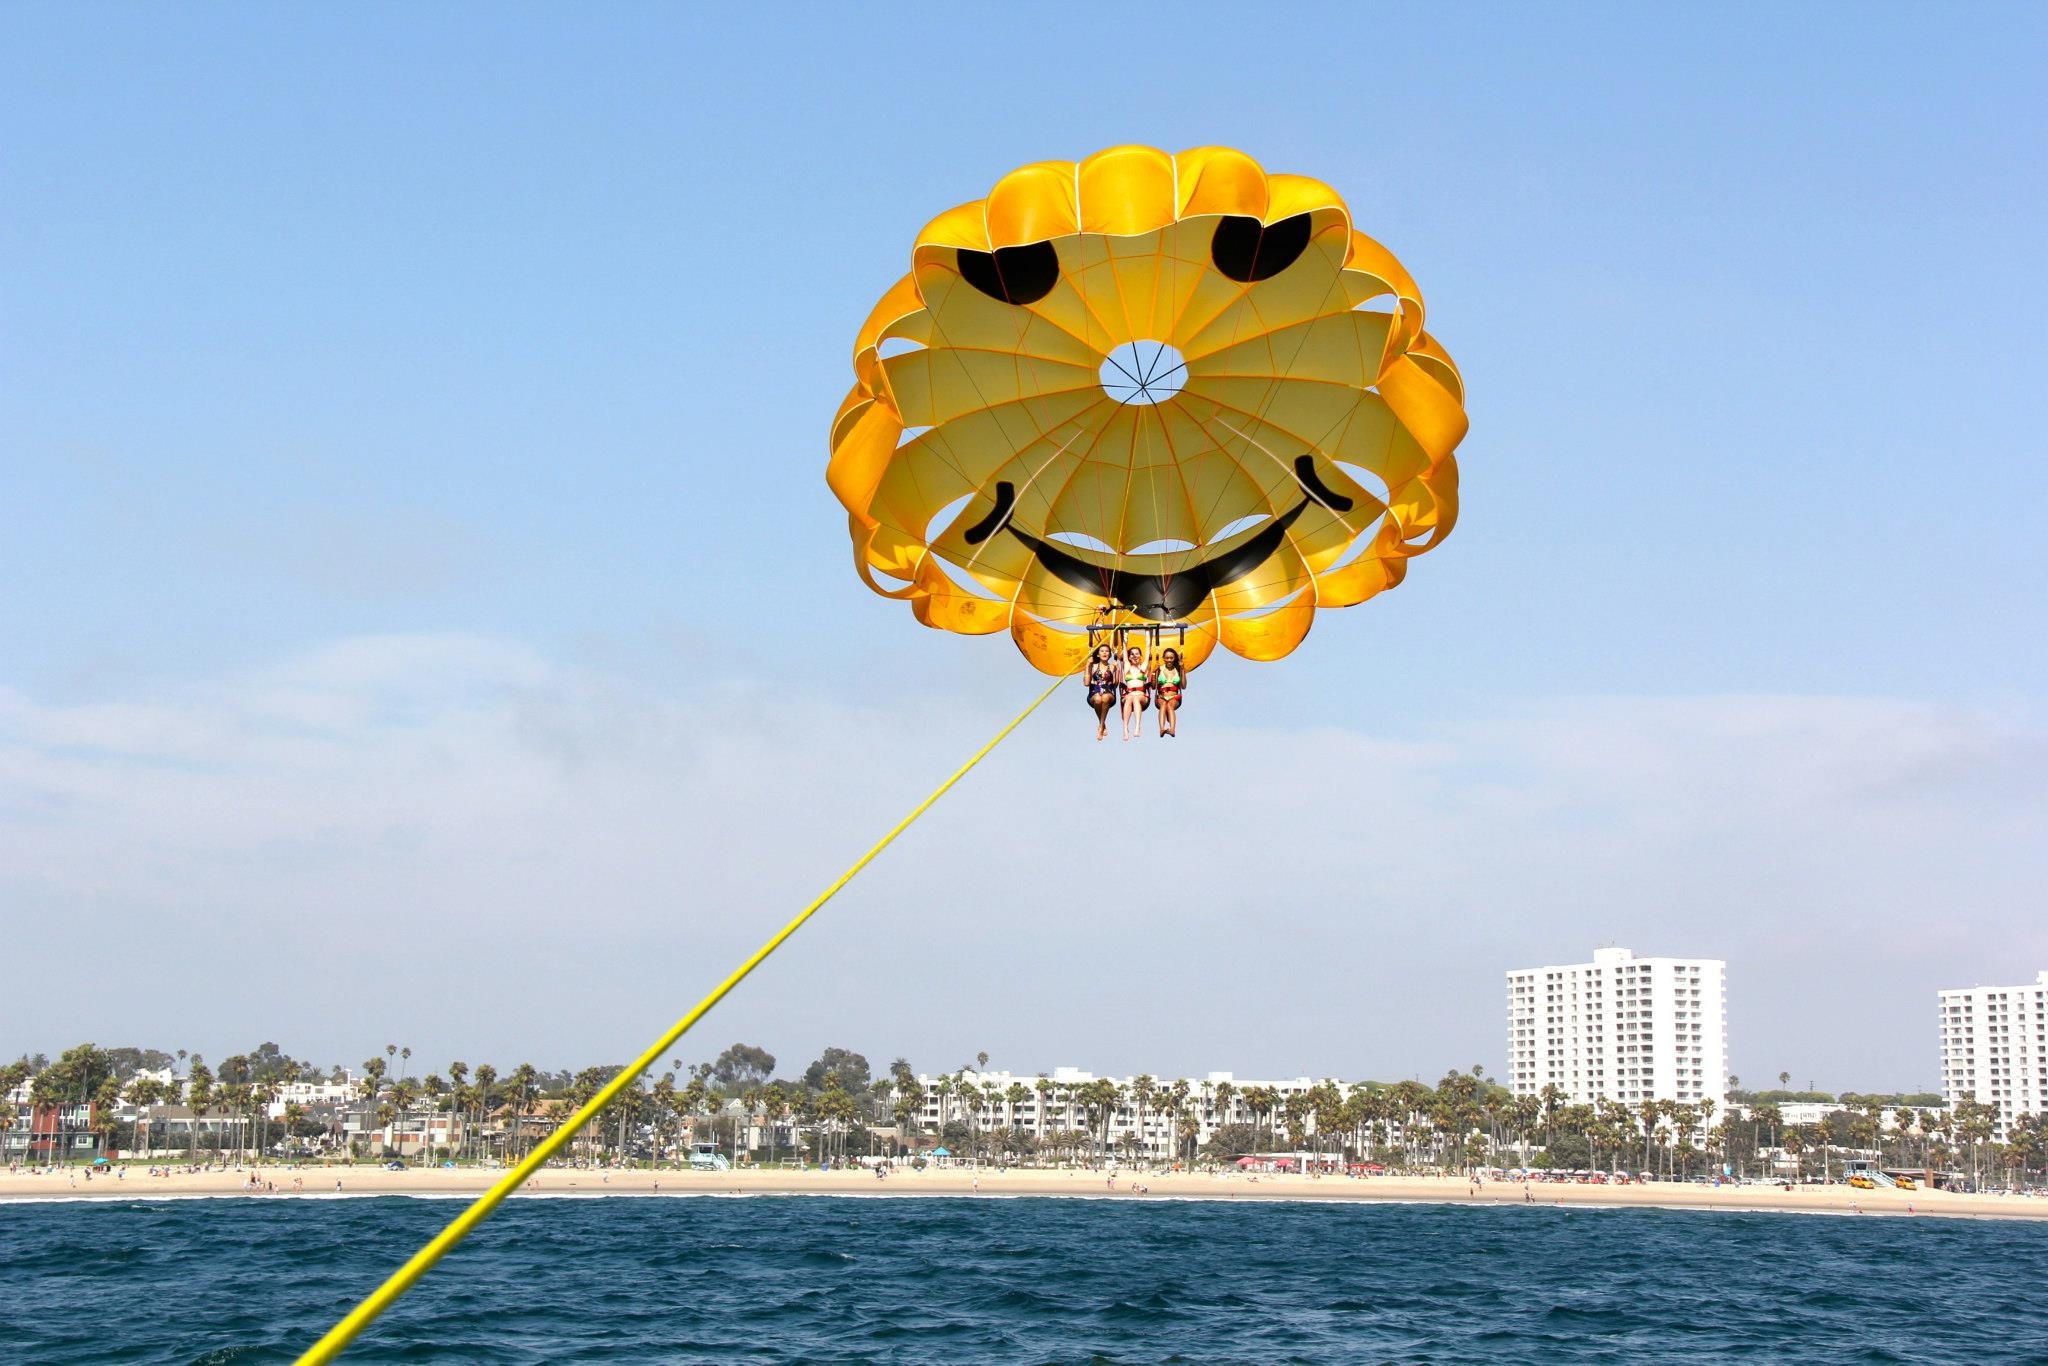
(291, 1182)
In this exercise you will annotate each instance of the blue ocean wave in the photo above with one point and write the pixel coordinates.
(1030, 1281)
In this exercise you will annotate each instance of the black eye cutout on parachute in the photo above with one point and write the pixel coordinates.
(1012, 275)
(1248, 251)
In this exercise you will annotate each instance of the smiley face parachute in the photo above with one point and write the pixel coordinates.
(1146, 388)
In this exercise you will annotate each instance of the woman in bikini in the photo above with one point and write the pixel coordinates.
(1102, 676)
(1135, 683)
(1168, 683)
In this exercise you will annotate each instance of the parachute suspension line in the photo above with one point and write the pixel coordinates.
(384, 1296)
(1273, 387)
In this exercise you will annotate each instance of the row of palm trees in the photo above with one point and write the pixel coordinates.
(1463, 1120)
(1446, 1123)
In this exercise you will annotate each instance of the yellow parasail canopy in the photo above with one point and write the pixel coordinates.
(1146, 388)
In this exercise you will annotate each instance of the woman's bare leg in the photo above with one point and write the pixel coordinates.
(1101, 717)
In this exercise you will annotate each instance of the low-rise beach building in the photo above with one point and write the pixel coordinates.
(1994, 1050)
(1620, 1028)
(315, 1093)
(1797, 1114)
(50, 1133)
(1151, 1117)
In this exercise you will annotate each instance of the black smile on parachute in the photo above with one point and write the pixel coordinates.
(1162, 597)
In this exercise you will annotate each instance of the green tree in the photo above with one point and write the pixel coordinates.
(743, 1065)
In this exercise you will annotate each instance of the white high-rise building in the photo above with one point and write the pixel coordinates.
(1621, 1028)
(1994, 1049)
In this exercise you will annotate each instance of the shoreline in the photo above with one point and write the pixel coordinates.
(329, 1183)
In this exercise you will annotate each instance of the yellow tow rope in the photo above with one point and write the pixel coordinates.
(384, 1296)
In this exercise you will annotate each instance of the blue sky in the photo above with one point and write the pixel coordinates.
(496, 348)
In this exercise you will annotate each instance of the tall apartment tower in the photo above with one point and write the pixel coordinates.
(1621, 1028)
(1994, 1049)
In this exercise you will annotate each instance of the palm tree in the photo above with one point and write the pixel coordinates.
(1223, 1096)
(1648, 1113)
(486, 1074)
(1903, 1119)
(1685, 1120)
(1177, 1096)
(1143, 1089)
(436, 1091)
(1768, 1113)
(905, 1113)
(777, 1109)
(142, 1093)
(198, 1097)
(1551, 1096)
(1295, 1109)
(465, 1099)
(404, 1092)
(294, 1116)
(1926, 1122)
(1527, 1109)
(1099, 1099)
(1016, 1094)
(1974, 1121)
(522, 1079)
(1261, 1101)
(1326, 1107)
(263, 1094)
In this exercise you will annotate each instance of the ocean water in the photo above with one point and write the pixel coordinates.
(771, 1280)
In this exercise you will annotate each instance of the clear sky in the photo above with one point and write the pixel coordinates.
(421, 606)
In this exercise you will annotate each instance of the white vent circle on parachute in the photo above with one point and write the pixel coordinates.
(1143, 372)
